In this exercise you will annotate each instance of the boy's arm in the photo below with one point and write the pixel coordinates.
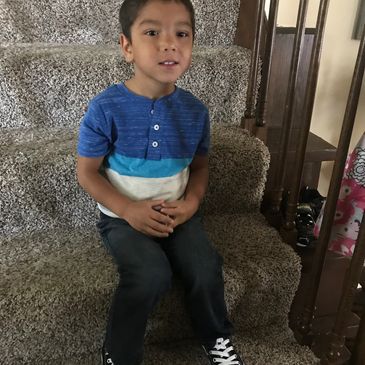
(182, 210)
(198, 181)
(140, 215)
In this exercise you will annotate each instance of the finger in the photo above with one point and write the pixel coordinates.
(174, 225)
(157, 208)
(156, 203)
(151, 232)
(162, 218)
(160, 227)
(173, 204)
(177, 222)
(170, 211)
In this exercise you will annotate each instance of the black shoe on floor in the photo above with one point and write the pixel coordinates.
(105, 357)
(222, 353)
(304, 222)
(313, 198)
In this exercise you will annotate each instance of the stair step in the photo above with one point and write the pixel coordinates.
(264, 351)
(44, 85)
(21, 139)
(95, 22)
(58, 284)
(39, 185)
(256, 351)
(39, 189)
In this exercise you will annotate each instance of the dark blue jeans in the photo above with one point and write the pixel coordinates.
(145, 267)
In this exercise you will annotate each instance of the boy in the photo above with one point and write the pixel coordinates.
(151, 139)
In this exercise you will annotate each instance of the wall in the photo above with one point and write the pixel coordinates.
(337, 66)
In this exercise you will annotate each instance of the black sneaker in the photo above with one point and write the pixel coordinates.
(222, 353)
(313, 198)
(304, 222)
(105, 357)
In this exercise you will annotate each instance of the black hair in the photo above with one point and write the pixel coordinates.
(129, 11)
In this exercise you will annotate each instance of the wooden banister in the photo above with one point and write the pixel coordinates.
(266, 66)
(334, 189)
(331, 347)
(311, 87)
(246, 26)
(358, 353)
(251, 33)
(255, 56)
(277, 193)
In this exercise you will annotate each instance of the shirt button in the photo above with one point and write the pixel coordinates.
(154, 144)
(156, 127)
(152, 111)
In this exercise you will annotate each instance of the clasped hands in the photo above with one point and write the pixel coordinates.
(159, 218)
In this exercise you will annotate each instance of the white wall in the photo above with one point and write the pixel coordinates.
(337, 66)
(288, 11)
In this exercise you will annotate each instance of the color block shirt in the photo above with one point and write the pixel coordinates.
(148, 144)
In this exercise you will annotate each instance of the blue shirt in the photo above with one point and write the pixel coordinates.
(148, 144)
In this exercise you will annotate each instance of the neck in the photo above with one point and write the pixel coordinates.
(149, 91)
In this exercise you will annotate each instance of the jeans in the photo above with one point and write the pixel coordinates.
(146, 266)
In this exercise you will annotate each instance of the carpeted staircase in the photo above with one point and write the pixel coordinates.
(56, 280)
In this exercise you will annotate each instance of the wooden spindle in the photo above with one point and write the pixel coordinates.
(276, 196)
(333, 193)
(267, 61)
(308, 111)
(254, 69)
(358, 353)
(331, 347)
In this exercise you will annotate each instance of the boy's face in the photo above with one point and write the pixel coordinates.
(161, 44)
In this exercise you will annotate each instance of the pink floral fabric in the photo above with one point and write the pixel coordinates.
(350, 205)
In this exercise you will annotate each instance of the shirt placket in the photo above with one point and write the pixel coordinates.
(154, 140)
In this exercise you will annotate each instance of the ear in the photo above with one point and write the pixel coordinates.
(126, 48)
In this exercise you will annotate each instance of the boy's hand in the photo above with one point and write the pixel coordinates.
(180, 210)
(142, 216)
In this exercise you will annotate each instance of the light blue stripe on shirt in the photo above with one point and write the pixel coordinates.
(138, 167)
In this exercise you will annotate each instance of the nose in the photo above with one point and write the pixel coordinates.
(168, 43)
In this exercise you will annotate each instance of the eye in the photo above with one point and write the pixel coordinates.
(151, 33)
(183, 34)
(347, 190)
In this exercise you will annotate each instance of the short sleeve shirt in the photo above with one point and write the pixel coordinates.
(148, 144)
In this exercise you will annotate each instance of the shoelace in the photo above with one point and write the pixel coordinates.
(222, 354)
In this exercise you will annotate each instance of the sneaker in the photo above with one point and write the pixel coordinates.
(304, 222)
(105, 357)
(313, 198)
(222, 353)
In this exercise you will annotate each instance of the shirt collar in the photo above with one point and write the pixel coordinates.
(140, 98)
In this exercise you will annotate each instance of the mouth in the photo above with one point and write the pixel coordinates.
(168, 63)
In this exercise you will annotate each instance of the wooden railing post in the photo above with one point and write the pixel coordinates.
(276, 196)
(358, 353)
(266, 66)
(305, 320)
(331, 347)
(308, 110)
(249, 117)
